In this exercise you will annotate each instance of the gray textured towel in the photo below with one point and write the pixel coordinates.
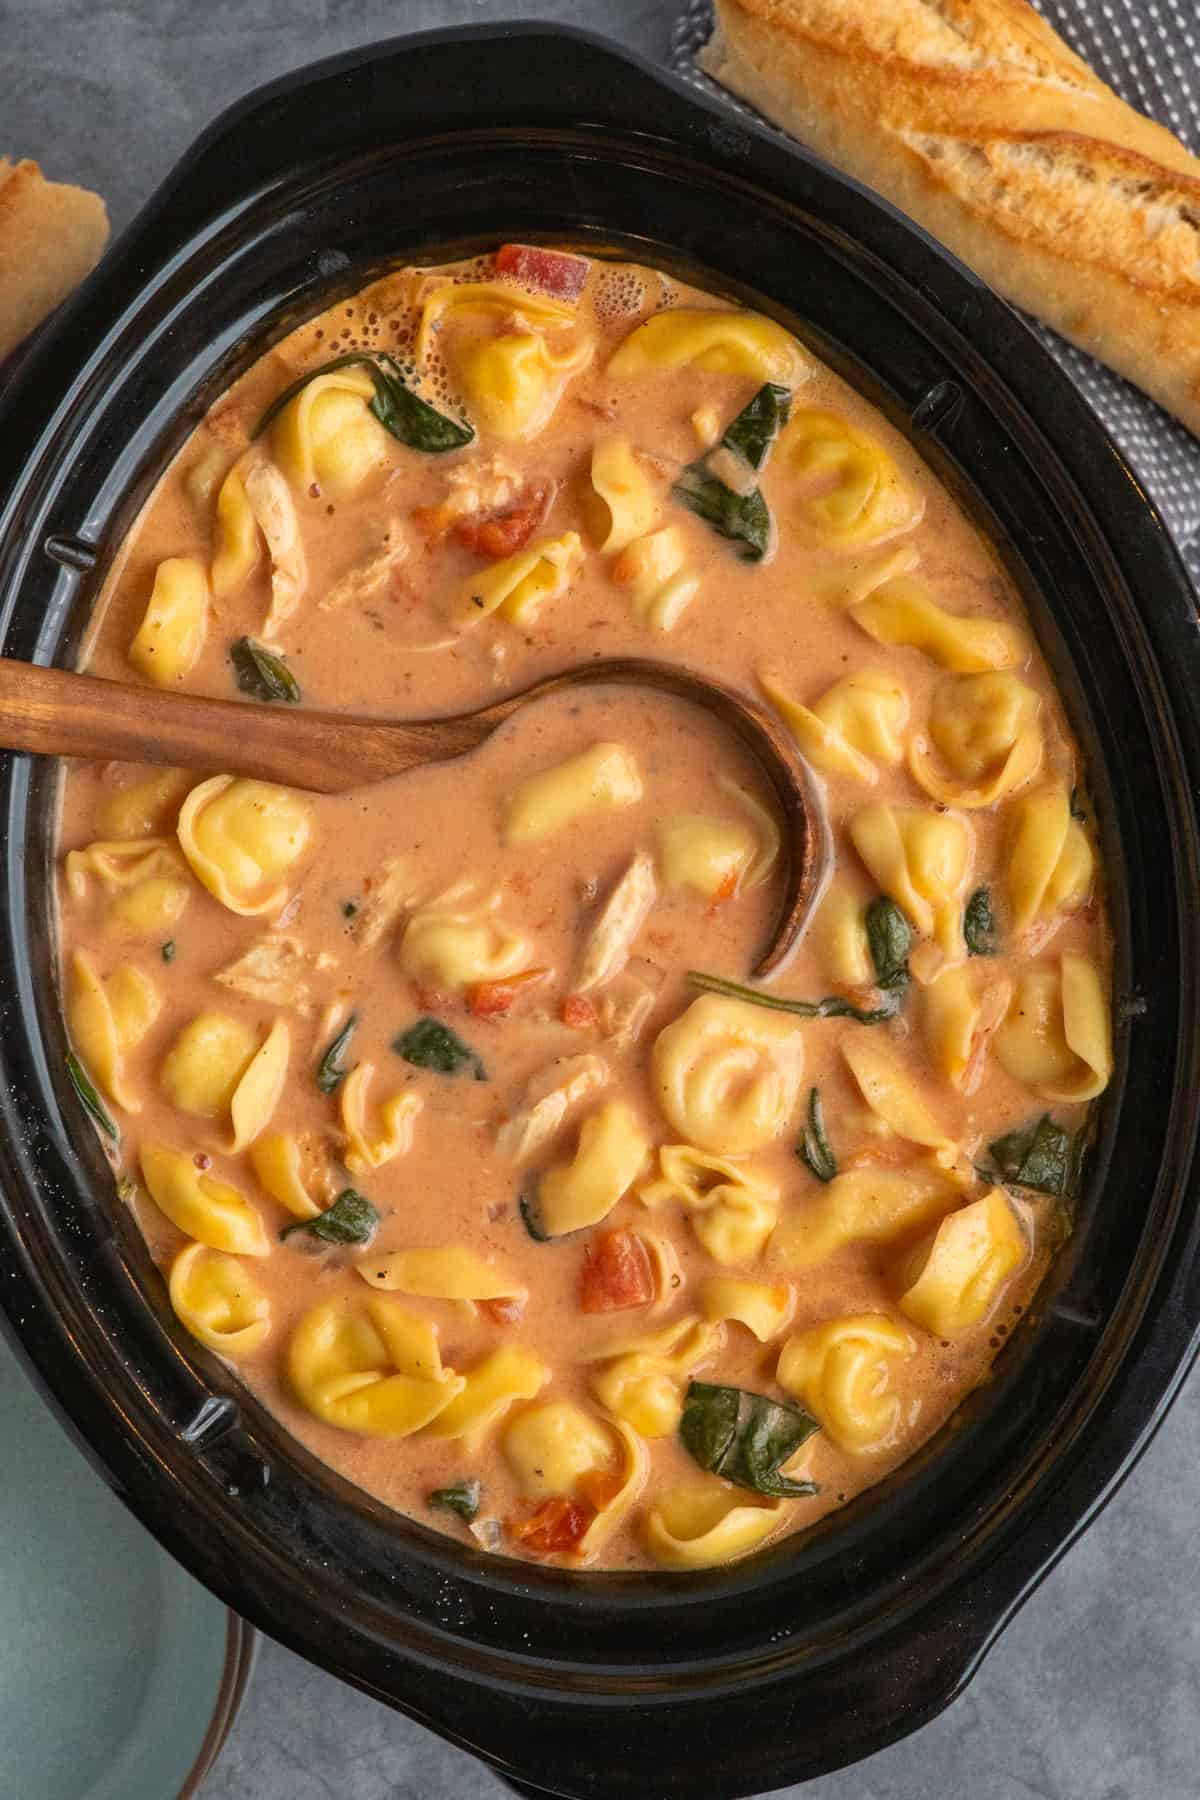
(1150, 53)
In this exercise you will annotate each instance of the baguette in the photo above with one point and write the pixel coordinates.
(975, 118)
(51, 235)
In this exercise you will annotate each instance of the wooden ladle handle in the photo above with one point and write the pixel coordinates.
(60, 714)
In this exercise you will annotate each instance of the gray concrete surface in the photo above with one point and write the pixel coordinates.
(1092, 1692)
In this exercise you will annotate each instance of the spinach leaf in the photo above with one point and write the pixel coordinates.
(350, 1220)
(531, 1217)
(431, 1045)
(329, 1070)
(462, 1498)
(92, 1104)
(752, 434)
(167, 952)
(262, 674)
(745, 518)
(746, 1438)
(813, 1148)
(409, 419)
(1037, 1156)
(888, 940)
(979, 924)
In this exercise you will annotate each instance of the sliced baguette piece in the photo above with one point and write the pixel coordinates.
(51, 235)
(974, 118)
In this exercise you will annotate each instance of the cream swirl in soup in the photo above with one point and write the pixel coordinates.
(448, 1107)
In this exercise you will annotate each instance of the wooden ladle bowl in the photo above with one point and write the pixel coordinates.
(61, 714)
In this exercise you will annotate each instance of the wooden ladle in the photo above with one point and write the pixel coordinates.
(61, 714)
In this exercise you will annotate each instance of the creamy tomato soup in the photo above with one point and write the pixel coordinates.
(449, 1108)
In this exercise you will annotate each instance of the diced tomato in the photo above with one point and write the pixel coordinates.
(724, 893)
(616, 1274)
(503, 533)
(550, 271)
(555, 1526)
(509, 1311)
(492, 999)
(578, 1012)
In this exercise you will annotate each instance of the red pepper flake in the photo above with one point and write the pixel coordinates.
(579, 1012)
(549, 271)
(554, 1527)
(429, 999)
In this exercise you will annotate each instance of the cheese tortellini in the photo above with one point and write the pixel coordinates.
(1057, 1037)
(241, 837)
(706, 855)
(512, 378)
(443, 1272)
(549, 1447)
(727, 1074)
(457, 939)
(204, 1207)
(327, 437)
(236, 540)
(764, 1309)
(369, 1367)
(109, 1016)
(893, 1096)
(921, 859)
(206, 1062)
(613, 1148)
(853, 493)
(147, 877)
(171, 636)
(217, 1066)
(143, 809)
(398, 1114)
(654, 572)
(219, 1301)
(986, 731)
(903, 611)
(701, 1524)
(603, 779)
(965, 1268)
(856, 724)
(641, 1376)
(520, 586)
(733, 1209)
(284, 1164)
(1051, 863)
(963, 1006)
(719, 342)
(841, 1372)
(870, 1205)
(490, 1390)
(838, 933)
(626, 501)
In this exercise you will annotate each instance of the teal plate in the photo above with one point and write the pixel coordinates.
(119, 1675)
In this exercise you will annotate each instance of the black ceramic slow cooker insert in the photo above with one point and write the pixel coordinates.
(609, 1686)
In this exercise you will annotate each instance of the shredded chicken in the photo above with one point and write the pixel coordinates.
(387, 897)
(624, 1008)
(364, 581)
(610, 940)
(275, 515)
(483, 484)
(549, 1097)
(274, 970)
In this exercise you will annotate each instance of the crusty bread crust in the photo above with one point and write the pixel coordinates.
(51, 235)
(975, 119)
